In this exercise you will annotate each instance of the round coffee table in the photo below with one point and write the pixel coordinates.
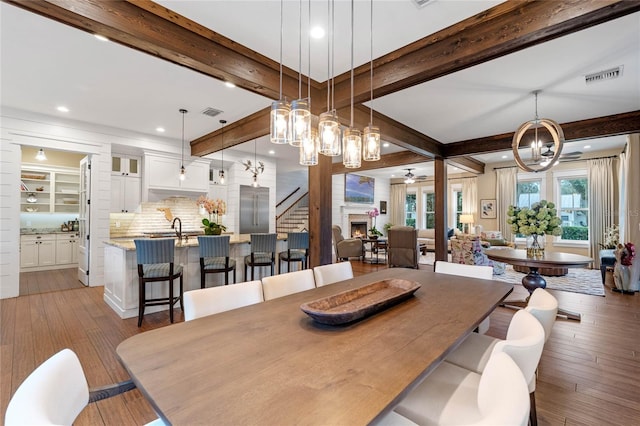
(533, 279)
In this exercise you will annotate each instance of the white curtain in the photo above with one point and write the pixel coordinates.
(601, 207)
(629, 183)
(398, 202)
(506, 180)
(469, 188)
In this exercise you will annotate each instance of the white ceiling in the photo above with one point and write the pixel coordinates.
(45, 64)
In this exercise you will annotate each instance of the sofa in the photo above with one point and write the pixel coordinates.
(495, 239)
(428, 238)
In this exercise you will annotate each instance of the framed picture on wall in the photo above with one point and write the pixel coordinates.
(383, 207)
(488, 209)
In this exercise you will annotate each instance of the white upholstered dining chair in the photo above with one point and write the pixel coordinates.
(452, 395)
(289, 283)
(473, 271)
(331, 273)
(212, 300)
(474, 352)
(56, 392)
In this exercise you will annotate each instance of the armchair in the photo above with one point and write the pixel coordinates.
(346, 248)
(468, 251)
(403, 246)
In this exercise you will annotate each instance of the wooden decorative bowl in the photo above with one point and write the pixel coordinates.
(352, 305)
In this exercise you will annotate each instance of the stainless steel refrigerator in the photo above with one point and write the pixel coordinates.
(254, 209)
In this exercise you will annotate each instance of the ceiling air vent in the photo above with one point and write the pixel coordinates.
(422, 3)
(603, 75)
(211, 112)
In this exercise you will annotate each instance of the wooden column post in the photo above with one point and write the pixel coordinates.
(440, 169)
(320, 188)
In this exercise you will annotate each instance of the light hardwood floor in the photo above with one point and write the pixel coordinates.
(589, 373)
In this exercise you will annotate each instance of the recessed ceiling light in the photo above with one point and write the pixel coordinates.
(504, 156)
(100, 37)
(317, 32)
(271, 152)
(160, 129)
(229, 84)
(62, 109)
(587, 146)
(385, 145)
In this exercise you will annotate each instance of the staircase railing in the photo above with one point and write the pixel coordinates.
(285, 217)
(287, 197)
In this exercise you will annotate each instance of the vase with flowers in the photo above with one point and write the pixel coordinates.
(625, 253)
(373, 231)
(611, 238)
(535, 222)
(215, 209)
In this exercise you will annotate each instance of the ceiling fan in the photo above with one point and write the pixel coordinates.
(565, 156)
(409, 177)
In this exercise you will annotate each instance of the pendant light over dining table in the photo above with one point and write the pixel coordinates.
(328, 123)
(352, 138)
(371, 148)
(221, 172)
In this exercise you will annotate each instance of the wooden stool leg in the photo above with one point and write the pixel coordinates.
(171, 301)
(533, 416)
(141, 297)
(181, 292)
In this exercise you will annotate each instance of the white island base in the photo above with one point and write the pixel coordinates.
(121, 273)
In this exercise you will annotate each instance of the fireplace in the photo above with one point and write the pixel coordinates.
(358, 225)
(358, 229)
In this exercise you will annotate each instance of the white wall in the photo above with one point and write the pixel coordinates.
(341, 210)
(20, 128)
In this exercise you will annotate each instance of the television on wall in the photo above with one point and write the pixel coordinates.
(358, 189)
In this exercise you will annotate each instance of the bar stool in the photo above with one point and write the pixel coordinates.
(263, 253)
(214, 257)
(155, 263)
(297, 250)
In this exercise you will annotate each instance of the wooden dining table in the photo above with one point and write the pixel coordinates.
(270, 363)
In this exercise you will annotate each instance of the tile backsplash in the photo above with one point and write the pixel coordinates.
(151, 219)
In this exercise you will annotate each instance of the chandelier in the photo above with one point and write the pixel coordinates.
(255, 168)
(371, 151)
(539, 161)
(351, 138)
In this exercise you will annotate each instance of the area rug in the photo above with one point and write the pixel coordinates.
(578, 280)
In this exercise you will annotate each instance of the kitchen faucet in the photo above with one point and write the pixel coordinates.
(179, 230)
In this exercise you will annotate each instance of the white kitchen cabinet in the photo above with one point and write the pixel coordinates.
(49, 189)
(123, 165)
(37, 250)
(125, 194)
(67, 248)
(162, 173)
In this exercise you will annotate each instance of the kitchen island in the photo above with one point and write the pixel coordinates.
(121, 271)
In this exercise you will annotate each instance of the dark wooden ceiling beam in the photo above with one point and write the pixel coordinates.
(402, 158)
(610, 125)
(504, 29)
(468, 164)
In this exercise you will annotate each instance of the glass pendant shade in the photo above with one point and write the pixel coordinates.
(352, 148)
(329, 134)
(182, 173)
(221, 176)
(299, 122)
(371, 147)
(40, 156)
(279, 121)
(309, 150)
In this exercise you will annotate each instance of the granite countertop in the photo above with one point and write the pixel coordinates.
(128, 244)
(40, 231)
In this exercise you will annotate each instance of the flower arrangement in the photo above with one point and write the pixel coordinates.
(611, 237)
(215, 209)
(627, 253)
(541, 218)
(373, 214)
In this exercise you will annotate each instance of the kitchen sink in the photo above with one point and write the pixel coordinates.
(173, 234)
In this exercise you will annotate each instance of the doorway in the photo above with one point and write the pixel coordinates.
(56, 184)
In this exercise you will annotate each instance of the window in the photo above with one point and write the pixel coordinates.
(573, 207)
(458, 209)
(528, 192)
(429, 201)
(410, 209)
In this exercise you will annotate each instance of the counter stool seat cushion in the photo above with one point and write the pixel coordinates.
(214, 263)
(263, 253)
(158, 270)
